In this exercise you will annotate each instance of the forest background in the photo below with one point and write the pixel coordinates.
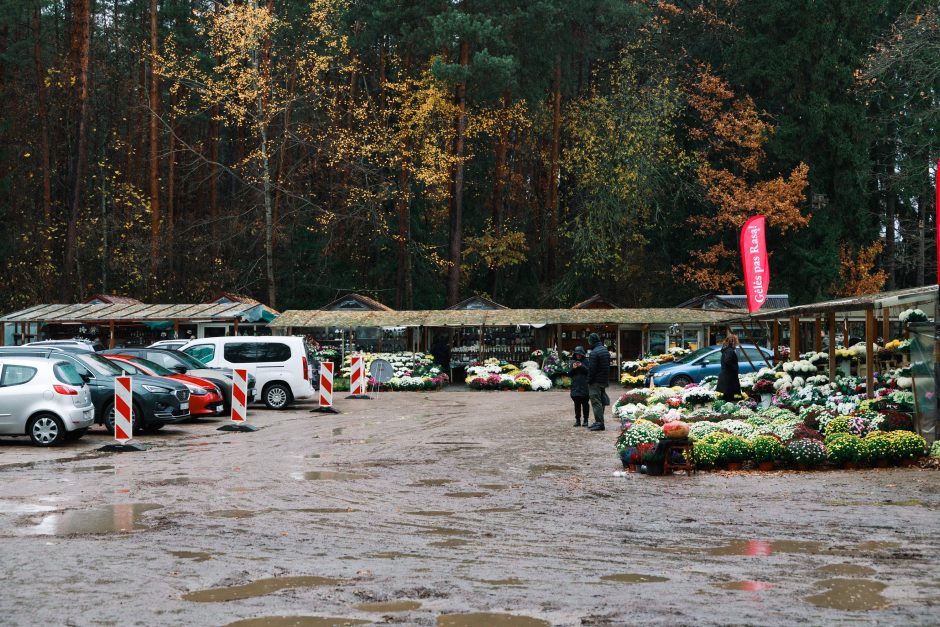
(536, 151)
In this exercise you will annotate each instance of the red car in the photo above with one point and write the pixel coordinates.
(205, 398)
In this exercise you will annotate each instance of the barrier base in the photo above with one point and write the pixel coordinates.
(325, 410)
(359, 396)
(129, 447)
(239, 427)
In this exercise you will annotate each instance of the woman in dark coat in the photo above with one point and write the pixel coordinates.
(579, 387)
(728, 383)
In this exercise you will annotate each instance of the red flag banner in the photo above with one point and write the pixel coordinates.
(754, 259)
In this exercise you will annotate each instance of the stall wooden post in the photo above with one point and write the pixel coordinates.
(176, 329)
(845, 332)
(619, 359)
(886, 324)
(235, 326)
(794, 338)
(817, 335)
(111, 339)
(870, 352)
(776, 336)
(832, 345)
(3, 333)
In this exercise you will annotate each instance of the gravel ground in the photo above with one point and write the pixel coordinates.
(414, 507)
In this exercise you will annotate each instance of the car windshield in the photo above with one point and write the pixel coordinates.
(188, 361)
(152, 366)
(99, 364)
(705, 350)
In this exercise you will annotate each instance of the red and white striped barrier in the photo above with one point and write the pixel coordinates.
(123, 402)
(239, 395)
(357, 376)
(326, 384)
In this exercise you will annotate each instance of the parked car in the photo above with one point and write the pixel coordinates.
(45, 399)
(205, 398)
(184, 364)
(706, 362)
(85, 345)
(279, 363)
(168, 344)
(157, 402)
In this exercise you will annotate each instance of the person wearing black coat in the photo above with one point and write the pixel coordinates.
(579, 388)
(728, 383)
(598, 378)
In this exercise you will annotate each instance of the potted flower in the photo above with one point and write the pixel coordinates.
(764, 388)
(706, 453)
(806, 453)
(906, 446)
(912, 315)
(846, 450)
(877, 448)
(767, 449)
(734, 450)
(653, 462)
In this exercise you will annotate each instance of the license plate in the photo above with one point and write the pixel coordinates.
(184, 405)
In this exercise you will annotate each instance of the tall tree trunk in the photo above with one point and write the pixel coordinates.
(282, 152)
(553, 172)
(403, 297)
(154, 166)
(457, 181)
(499, 182)
(171, 189)
(42, 114)
(79, 52)
(263, 104)
(921, 261)
(890, 234)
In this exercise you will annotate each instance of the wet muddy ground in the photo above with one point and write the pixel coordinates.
(455, 508)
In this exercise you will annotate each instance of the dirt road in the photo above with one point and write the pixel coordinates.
(418, 506)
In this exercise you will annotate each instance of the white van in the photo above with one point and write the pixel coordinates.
(279, 364)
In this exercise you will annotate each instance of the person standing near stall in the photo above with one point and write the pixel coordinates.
(598, 378)
(728, 383)
(580, 393)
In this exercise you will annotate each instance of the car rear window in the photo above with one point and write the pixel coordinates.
(66, 373)
(16, 375)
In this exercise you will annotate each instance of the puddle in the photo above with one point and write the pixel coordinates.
(497, 510)
(107, 519)
(466, 495)
(876, 545)
(92, 468)
(909, 503)
(169, 482)
(493, 486)
(512, 581)
(431, 513)
(232, 513)
(763, 547)
(846, 570)
(747, 586)
(543, 469)
(634, 578)
(433, 482)
(391, 555)
(10, 507)
(332, 475)
(296, 621)
(338, 430)
(390, 606)
(447, 531)
(196, 556)
(328, 510)
(449, 544)
(482, 619)
(257, 589)
(473, 443)
(851, 595)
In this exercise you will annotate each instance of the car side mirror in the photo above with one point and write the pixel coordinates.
(179, 369)
(85, 377)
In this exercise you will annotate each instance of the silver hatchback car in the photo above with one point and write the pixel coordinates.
(44, 399)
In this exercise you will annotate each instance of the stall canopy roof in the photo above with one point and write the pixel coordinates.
(899, 298)
(138, 313)
(300, 319)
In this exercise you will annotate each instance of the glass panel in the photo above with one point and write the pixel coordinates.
(240, 353)
(16, 375)
(204, 353)
(67, 373)
(273, 352)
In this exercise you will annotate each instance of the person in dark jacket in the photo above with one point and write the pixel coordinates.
(441, 352)
(598, 378)
(579, 388)
(728, 383)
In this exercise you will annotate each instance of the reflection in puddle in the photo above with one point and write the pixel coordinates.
(747, 586)
(447, 544)
(634, 578)
(543, 469)
(196, 556)
(497, 510)
(763, 547)
(512, 581)
(846, 569)
(11, 507)
(447, 531)
(257, 588)
(296, 621)
(332, 475)
(465, 495)
(431, 513)
(107, 519)
(493, 486)
(434, 482)
(390, 606)
(232, 513)
(92, 468)
(856, 595)
(489, 620)
(328, 510)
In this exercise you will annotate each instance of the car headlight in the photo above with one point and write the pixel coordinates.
(197, 390)
(156, 389)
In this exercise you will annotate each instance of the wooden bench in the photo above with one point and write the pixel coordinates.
(685, 447)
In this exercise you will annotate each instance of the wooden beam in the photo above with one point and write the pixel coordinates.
(111, 338)
(235, 323)
(886, 324)
(832, 345)
(870, 353)
(817, 335)
(176, 329)
(794, 338)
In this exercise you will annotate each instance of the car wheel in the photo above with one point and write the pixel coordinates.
(76, 434)
(680, 381)
(46, 430)
(109, 418)
(276, 396)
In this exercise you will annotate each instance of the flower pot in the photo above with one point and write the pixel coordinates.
(765, 400)
(881, 463)
(802, 467)
(734, 466)
(849, 466)
(765, 466)
(907, 463)
(632, 467)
